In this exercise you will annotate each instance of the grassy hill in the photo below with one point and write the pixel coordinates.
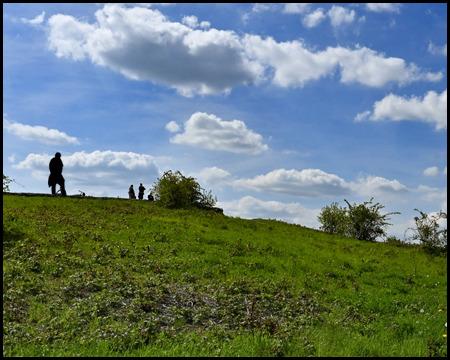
(100, 277)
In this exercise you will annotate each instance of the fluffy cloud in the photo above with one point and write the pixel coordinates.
(96, 170)
(210, 132)
(36, 21)
(173, 127)
(307, 183)
(312, 183)
(383, 7)
(431, 108)
(371, 186)
(39, 133)
(249, 207)
(339, 15)
(295, 65)
(143, 44)
(190, 21)
(313, 19)
(431, 171)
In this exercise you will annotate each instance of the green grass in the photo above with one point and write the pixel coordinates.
(99, 277)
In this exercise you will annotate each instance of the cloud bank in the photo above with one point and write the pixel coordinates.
(143, 44)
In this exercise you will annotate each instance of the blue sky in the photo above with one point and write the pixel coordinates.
(279, 109)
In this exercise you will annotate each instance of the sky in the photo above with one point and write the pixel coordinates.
(278, 109)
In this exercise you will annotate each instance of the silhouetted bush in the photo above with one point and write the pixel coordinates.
(176, 191)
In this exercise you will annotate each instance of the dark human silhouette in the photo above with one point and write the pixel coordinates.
(141, 192)
(56, 168)
(150, 197)
(131, 193)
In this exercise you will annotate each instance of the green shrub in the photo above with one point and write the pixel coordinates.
(333, 219)
(361, 221)
(176, 191)
(427, 231)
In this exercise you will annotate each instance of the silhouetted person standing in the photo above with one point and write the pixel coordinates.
(141, 192)
(131, 193)
(56, 168)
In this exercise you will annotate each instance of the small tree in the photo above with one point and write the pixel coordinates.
(175, 191)
(362, 222)
(366, 222)
(427, 230)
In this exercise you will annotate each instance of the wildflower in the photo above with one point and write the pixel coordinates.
(445, 335)
(421, 310)
(440, 309)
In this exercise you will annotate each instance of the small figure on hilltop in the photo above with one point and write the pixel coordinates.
(56, 168)
(131, 193)
(141, 192)
(150, 197)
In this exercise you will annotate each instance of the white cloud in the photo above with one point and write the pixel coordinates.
(249, 207)
(210, 132)
(367, 67)
(190, 21)
(339, 15)
(445, 170)
(205, 24)
(12, 158)
(371, 186)
(36, 21)
(383, 7)
(431, 108)
(39, 133)
(173, 127)
(295, 65)
(313, 19)
(143, 44)
(95, 170)
(431, 171)
(214, 176)
(437, 50)
(296, 8)
(308, 183)
(312, 183)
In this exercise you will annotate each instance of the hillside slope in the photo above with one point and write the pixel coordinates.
(106, 277)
